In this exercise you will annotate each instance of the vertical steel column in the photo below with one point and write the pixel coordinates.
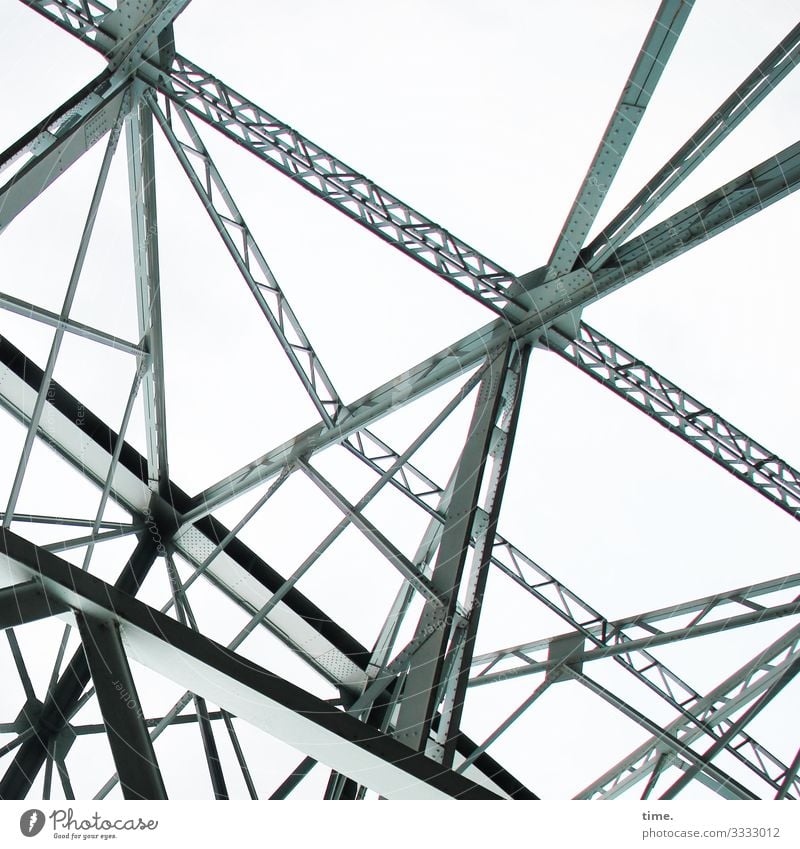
(130, 743)
(419, 698)
(144, 224)
(484, 534)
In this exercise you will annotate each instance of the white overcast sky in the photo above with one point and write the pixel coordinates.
(484, 117)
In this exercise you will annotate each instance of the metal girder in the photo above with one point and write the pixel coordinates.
(47, 151)
(449, 363)
(64, 696)
(287, 150)
(26, 602)
(646, 668)
(482, 539)
(645, 74)
(128, 35)
(186, 617)
(237, 749)
(67, 521)
(87, 444)
(567, 604)
(740, 198)
(130, 743)
(715, 709)
(787, 675)
(660, 677)
(789, 777)
(142, 29)
(144, 228)
(338, 184)
(237, 570)
(375, 453)
(81, 18)
(241, 244)
(51, 319)
(622, 636)
(436, 625)
(354, 515)
(301, 628)
(737, 200)
(683, 415)
(670, 741)
(241, 687)
(580, 289)
(305, 162)
(728, 115)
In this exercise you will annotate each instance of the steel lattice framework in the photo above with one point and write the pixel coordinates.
(396, 727)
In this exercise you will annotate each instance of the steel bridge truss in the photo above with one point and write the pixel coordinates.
(395, 728)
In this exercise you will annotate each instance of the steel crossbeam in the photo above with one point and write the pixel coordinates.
(51, 319)
(742, 197)
(302, 625)
(482, 538)
(26, 602)
(685, 416)
(240, 686)
(746, 684)
(622, 641)
(651, 672)
(738, 199)
(46, 152)
(709, 615)
(64, 697)
(574, 610)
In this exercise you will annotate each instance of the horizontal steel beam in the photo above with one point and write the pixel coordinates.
(531, 665)
(240, 686)
(23, 308)
(712, 612)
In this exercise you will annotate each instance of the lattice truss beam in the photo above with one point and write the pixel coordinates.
(395, 728)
